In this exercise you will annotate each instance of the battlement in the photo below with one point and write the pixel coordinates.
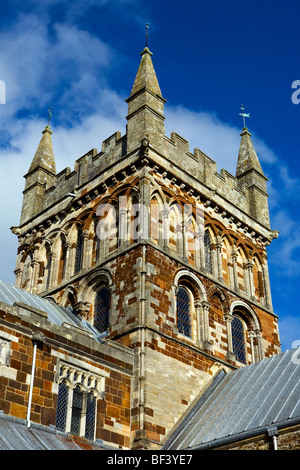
(195, 167)
(86, 168)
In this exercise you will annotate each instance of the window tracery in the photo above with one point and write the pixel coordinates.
(78, 392)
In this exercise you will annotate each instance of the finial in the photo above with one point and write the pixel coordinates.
(244, 115)
(49, 115)
(147, 27)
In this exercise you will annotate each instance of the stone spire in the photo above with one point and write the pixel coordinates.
(247, 159)
(44, 156)
(40, 176)
(145, 106)
(146, 78)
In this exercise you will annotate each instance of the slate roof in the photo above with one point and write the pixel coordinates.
(57, 315)
(14, 435)
(242, 404)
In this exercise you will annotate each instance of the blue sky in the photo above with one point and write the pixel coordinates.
(210, 56)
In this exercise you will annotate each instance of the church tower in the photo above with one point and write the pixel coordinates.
(160, 252)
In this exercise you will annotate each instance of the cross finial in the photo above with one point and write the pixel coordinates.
(244, 115)
(147, 27)
(49, 115)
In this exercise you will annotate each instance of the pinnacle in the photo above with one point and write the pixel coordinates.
(247, 159)
(146, 77)
(44, 156)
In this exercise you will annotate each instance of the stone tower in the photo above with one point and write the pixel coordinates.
(149, 243)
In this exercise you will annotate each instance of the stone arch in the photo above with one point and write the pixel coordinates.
(69, 297)
(96, 278)
(252, 328)
(193, 279)
(199, 308)
(217, 291)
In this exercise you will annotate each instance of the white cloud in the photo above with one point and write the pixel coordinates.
(289, 328)
(67, 70)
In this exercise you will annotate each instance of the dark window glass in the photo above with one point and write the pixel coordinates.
(62, 403)
(101, 309)
(76, 410)
(207, 252)
(238, 340)
(90, 416)
(183, 311)
(79, 252)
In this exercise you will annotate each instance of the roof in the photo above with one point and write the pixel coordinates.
(242, 404)
(57, 315)
(15, 435)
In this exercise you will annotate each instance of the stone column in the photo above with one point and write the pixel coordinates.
(145, 190)
(266, 279)
(67, 261)
(52, 266)
(258, 336)
(249, 268)
(234, 269)
(202, 309)
(85, 254)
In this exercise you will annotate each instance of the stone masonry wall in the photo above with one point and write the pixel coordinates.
(61, 346)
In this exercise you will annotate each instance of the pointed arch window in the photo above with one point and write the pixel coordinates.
(238, 339)
(183, 310)
(79, 252)
(101, 309)
(207, 252)
(47, 268)
(62, 261)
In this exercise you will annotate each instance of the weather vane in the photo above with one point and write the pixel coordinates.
(147, 27)
(244, 115)
(49, 115)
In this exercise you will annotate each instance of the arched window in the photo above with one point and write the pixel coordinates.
(183, 309)
(79, 252)
(101, 309)
(62, 262)
(238, 340)
(76, 401)
(207, 252)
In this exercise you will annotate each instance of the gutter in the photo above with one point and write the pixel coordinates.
(271, 431)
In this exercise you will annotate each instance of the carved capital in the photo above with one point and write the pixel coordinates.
(205, 305)
(82, 309)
